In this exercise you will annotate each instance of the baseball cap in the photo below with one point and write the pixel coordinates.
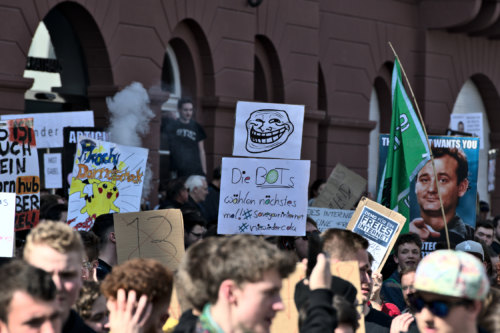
(471, 247)
(452, 273)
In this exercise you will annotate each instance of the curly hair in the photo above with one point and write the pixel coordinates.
(144, 276)
(89, 293)
(56, 235)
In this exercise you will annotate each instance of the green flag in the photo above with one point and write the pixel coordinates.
(408, 151)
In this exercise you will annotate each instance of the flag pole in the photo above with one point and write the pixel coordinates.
(428, 144)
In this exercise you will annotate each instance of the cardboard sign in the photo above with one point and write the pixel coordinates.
(155, 234)
(268, 130)
(263, 197)
(52, 170)
(468, 123)
(349, 271)
(107, 178)
(49, 126)
(288, 319)
(19, 172)
(343, 189)
(71, 135)
(330, 218)
(461, 226)
(8, 212)
(380, 226)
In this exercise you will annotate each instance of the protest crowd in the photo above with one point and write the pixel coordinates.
(439, 275)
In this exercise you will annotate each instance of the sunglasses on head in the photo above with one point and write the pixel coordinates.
(438, 308)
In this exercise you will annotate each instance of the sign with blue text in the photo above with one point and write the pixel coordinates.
(380, 226)
(106, 178)
(263, 196)
(327, 218)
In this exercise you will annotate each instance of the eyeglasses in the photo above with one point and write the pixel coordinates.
(308, 234)
(437, 307)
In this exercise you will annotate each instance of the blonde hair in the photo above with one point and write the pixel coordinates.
(56, 235)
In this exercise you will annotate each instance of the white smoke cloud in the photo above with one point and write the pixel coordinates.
(129, 121)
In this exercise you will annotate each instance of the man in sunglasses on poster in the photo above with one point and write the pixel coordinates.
(450, 288)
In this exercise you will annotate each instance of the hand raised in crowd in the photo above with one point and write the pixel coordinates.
(320, 277)
(418, 226)
(126, 315)
(377, 287)
(402, 323)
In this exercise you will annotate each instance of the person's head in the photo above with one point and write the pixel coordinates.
(345, 245)
(57, 212)
(91, 245)
(407, 251)
(316, 187)
(450, 288)
(146, 277)
(57, 249)
(193, 272)
(197, 187)
(452, 170)
(460, 126)
(243, 282)
(484, 209)
(104, 228)
(176, 190)
(300, 243)
(185, 107)
(195, 227)
(496, 225)
(485, 231)
(27, 300)
(91, 306)
(407, 281)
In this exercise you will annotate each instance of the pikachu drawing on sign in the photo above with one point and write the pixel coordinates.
(100, 200)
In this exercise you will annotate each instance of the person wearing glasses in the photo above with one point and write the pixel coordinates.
(450, 290)
(195, 227)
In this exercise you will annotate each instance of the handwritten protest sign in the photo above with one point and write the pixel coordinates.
(268, 130)
(343, 189)
(52, 170)
(70, 135)
(19, 171)
(49, 133)
(107, 178)
(8, 212)
(156, 234)
(263, 196)
(380, 226)
(327, 218)
(349, 271)
(288, 319)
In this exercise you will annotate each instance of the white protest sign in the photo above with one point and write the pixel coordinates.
(327, 218)
(380, 226)
(106, 178)
(468, 123)
(8, 212)
(268, 130)
(52, 170)
(48, 127)
(263, 196)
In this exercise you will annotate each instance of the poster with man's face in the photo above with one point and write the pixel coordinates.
(456, 165)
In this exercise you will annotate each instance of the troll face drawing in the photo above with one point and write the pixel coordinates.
(267, 129)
